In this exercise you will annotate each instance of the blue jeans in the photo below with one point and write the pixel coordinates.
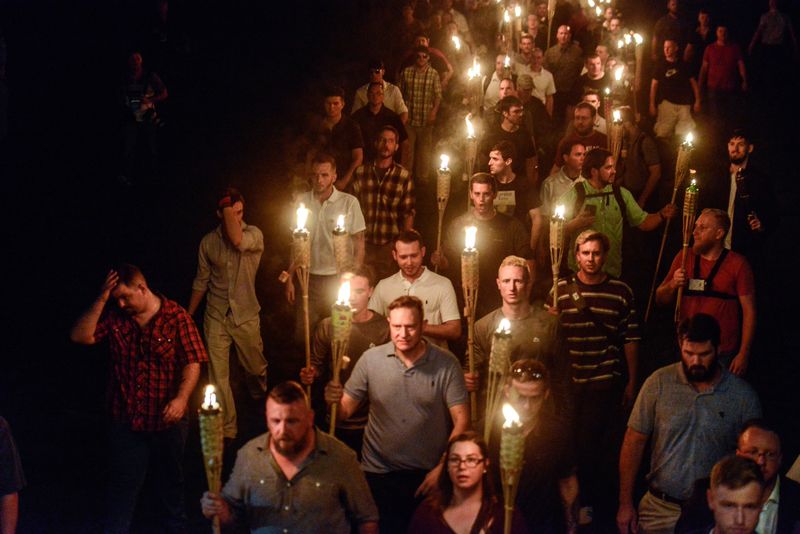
(131, 454)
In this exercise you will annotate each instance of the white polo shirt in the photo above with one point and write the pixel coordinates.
(322, 221)
(434, 290)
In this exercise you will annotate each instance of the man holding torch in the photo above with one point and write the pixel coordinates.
(156, 352)
(417, 401)
(294, 478)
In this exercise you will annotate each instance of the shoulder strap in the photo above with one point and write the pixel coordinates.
(582, 306)
(621, 203)
(707, 291)
(580, 198)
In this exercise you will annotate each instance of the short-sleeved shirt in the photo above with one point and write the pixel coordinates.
(516, 199)
(328, 494)
(734, 278)
(773, 26)
(543, 84)
(371, 125)
(723, 66)
(12, 479)
(322, 221)
(496, 238)
(690, 430)
(392, 99)
(674, 82)
(553, 187)
(434, 290)
(598, 85)
(147, 362)
(420, 90)
(405, 405)
(340, 141)
(363, 336)
(608, 220)
(385, 199)
(228, 273)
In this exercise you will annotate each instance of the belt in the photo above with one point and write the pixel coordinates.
(655, 492)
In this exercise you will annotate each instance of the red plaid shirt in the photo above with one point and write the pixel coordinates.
(147, 362)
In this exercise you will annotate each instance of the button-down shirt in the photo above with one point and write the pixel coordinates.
(543, 84)
(228, 274)
(553, 187)
(565, 63)
(386, 200)
(146, 362)
(420, 88)
(322, 221)
(327, 493)
(768, 518)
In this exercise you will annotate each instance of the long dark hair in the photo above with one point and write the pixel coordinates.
(443, 497)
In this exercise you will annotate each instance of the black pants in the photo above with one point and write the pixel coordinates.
(131, 455)
(394, 494)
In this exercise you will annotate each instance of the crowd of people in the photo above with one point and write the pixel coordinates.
(414, 448)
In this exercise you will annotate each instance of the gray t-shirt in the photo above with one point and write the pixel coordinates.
(409, 408)
(691, 430)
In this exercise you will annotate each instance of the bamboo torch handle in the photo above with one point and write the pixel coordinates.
(307, 331)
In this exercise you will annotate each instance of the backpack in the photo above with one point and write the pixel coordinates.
(581, 197)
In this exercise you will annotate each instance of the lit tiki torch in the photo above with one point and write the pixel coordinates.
(470, 153)
(211, 442)
(499, 363)
(341, 323)
(615, 135)
(507, 66)
(517, 24)
(512, 448)
(475, 86)
(301, 245)
(341, 247)
(442, 196)
(469, 284)
(681, 172)
(556, 247)
(689, 208)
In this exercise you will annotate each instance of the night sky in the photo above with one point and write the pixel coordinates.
(242, 77)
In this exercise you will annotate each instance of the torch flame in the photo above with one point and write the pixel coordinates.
(559, 211)
(607, 91)
(620, 43)
(340, 222)
(445, 159)
(689, 138)
(511, 416)
(506, 16)
(470, 127)
(469, 238)
(344, 294)
(507, 62)
(517, 11)
(504, 327)
(627, 38)
(302, 216)
(210, 398)
(618, 72)
(638, 38)
(598, 11)
(457, 42)
(617, 115)
(591, 3)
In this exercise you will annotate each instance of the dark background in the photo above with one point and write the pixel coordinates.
(242, 77)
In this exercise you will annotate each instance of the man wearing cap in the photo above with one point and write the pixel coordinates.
(392, 97)
(226, 273)
(422, 91)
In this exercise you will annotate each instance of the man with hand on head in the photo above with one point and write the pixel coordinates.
(156, 352)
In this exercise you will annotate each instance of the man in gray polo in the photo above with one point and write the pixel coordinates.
(417, 401)
(693, 410)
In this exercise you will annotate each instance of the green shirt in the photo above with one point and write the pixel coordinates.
(608, 220)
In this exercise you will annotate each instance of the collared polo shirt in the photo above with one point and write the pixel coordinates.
(322, 221)
(409, 407)
(434, 290)
(327, 492)
(690, 430)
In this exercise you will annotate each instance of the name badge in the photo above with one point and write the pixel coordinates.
(696, 284)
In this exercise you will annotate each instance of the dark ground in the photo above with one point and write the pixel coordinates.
(241, 76)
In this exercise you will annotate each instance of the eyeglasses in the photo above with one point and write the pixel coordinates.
(770, 456)
(527, 371)
(470, 461)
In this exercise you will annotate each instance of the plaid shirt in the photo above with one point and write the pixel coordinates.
(420, 89)
(147, 362)
(384, 201)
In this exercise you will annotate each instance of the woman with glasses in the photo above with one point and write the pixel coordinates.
(464, 501)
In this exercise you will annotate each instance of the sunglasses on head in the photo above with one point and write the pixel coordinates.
(527, 372)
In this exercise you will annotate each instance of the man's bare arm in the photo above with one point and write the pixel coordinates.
(83, 330)
(446, 330)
